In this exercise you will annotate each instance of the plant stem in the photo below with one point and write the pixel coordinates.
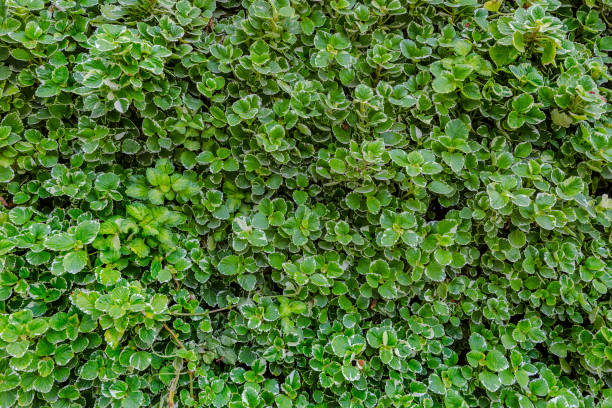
(207, 312)
(223, 309)
(5, 203)
(180, 343)
(174, 336)
(173, 386)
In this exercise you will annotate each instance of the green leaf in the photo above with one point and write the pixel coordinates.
(373, 205)
(74, 262)
(47, 90)
(399, 157)
(570, 187)
(282, 401)
(539, 387)
(515, 120)
(18, 348)
(140, 360)
(605, 44)
(545, 221)
(230, 265)
(517, 238)
(440, 187)
(60, 242)
(493, 5)
(477, 342)
(496, 361)
(350, 373)
(247, 281)
(108, 276)
(6, 174)
(549, 52)
(559, 349)
(340, 345)
(121, 105)
(250, 398)
(454, 400)
(496, 199)
(455, 161)
(89, 371)
(456, 129)
(436, 385)
(388, 290)
(502, 55)
(337, 165)
(107, 182)
(159, 303)
(522, 103)
(443, 85)
(86, 231)
(489, 380)
(442, 256)
(518, 41)
(8, 398)
(435, 272)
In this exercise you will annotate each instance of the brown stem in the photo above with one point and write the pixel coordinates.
(230, 307)
(180, 343)
(173, 386)
(174, 336)
(221, 309)
(5, 203)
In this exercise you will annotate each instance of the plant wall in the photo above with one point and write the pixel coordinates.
(309, 204)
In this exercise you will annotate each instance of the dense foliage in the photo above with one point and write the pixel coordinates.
(300, 203)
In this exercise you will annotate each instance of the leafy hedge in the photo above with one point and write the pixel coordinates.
(300, 203)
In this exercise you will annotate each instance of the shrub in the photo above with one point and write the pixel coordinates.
(275, 203)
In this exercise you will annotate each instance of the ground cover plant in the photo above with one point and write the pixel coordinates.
(292, 203)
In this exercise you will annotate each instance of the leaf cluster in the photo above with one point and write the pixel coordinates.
(305, 204)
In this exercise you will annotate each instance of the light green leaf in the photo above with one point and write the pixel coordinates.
(60, 242)
(230, 265)
(86, 231)
(496, 361)
(74, 262)
(489, 380)
(6, 174)
(140, 360)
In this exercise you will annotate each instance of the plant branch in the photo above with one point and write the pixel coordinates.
(230, 307)
(207, 312)
(173, 386)
(180, 343)
(5, 203)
